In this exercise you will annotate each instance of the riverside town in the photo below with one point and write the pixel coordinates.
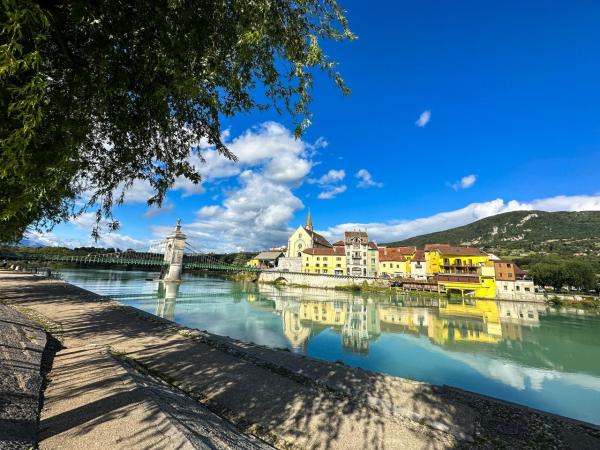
(440, 268)
(299, 225)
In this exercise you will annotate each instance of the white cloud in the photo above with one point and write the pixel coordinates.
(331, 192)
(253, 217)
(155, 210)
(423, 119)
(107, 240)
(209, 211)
(269, 147)
(330, 183)
(465, 182)
(366, 180)
(398, 230)
(330, 177)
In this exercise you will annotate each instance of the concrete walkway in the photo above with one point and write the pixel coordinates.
(21, 348)
(285, 399)
(96, 401)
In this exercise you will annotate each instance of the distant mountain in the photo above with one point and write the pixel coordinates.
(524, 232)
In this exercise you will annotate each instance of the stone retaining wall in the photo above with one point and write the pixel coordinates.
(317, 280)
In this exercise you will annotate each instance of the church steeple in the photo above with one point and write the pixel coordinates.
(309, 225)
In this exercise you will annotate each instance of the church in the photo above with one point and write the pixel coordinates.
(302, 238)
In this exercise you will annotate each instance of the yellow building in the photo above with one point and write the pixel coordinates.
(324, 260)
(253, 263)
(461, 270)
(444, 258)
(395, 261)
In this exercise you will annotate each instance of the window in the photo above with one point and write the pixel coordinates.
(324, 270)
(383, 264)
(527, 289)
(338, 265)
(508, 265)
(397, 266)
(324, 258)
(306, 264)
(372, 260)
(505, 287)
(507, 313)
(339, 258)
(318, 258)
(318, 265)
(518, 288)
(325, 265)
(530, 314)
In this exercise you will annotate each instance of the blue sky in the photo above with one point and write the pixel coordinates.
(512, 92)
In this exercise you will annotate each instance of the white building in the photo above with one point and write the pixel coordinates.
(418, 266)
(357, 251)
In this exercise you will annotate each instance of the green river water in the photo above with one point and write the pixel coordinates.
(522, 352)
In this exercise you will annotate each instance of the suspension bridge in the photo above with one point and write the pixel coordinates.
(172, 256)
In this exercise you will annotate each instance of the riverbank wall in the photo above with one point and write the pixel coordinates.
(319, 280)
(281, 397)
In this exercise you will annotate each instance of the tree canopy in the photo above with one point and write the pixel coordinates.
(97, 94)
(560, 273)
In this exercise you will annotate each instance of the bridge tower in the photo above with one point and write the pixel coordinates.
(174, 254)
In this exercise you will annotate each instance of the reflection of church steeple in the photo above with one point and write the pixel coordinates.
(309, 225)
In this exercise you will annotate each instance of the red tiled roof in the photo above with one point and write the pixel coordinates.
(372, 245)
(393, 253)
(419, 256)
(326, 251)
(339, 243)
(429, 247)
(460, 251)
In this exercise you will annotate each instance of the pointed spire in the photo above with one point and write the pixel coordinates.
(178, 226)
(309, 225)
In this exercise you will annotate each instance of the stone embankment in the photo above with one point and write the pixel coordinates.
(127, 379)
(318, 280)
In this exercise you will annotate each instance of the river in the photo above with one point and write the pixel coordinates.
(522, 352)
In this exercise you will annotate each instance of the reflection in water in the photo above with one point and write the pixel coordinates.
(517, 351)
(165, 302)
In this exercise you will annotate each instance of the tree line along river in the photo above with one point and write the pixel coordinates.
(523, 352)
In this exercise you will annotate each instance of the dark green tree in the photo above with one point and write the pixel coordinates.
(548, 274)
(97, 94)
(580, 275)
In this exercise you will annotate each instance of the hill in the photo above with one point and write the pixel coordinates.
(524, 232)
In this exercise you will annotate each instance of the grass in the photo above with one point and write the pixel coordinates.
(585, 303)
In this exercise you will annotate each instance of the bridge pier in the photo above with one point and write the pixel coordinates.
(174, 254)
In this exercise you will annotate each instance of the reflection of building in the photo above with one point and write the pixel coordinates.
(165, 303)
(473, 321)
(459, 325)
(324, 313)
(293, 329)
(362, 324)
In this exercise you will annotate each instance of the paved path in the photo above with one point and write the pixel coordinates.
(286, 399)
(21, 346)
(96, 401)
